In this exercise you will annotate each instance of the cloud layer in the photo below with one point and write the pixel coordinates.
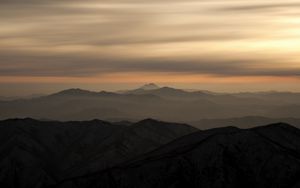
(91, 38)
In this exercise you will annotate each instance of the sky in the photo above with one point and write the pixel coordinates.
(218, 45)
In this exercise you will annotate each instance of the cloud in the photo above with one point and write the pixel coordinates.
(86, 38)
(261, 7)
(66, 65)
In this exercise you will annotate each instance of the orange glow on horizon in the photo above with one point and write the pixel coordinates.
(150, 77)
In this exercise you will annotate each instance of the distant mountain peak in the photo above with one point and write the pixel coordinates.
(170, 89)
(73, 91)
(150, 86)
(149, 120)
(27, 119)
(280, 125)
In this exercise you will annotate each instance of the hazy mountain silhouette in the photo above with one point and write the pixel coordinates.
(40, 153)
(263, 157)
(279, 97)
(150, 86)
(167, 92)
(242, 122)
(82, 93)
(164, 103)
(146, 87)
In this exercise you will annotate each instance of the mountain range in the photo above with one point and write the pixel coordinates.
(262, 157)
(242, 122)
(146, 154)
(41, 153)
(152, 101)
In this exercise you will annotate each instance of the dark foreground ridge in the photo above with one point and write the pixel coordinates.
(42, 153)
(227, 157)
(147, 154)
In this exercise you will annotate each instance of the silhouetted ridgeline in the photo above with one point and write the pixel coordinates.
(41, 153)
(242, 122)
(263, 157)
(150, 154)
(165, 103)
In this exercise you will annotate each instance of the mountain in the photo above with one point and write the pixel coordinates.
(76, 92)
(77, 104)
(164, 103)
(273, 96)
(242, 122)
(10, 98)
(263, 157)
(169, 93)
(41, 153)
(144, 88)
(150, 86)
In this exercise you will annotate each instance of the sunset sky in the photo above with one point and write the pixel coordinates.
(219, 45)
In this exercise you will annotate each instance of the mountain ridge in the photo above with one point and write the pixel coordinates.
(230, 142)
(95, 153)
(165, 103)
(150, 86)
(117, 176)
(54, 150)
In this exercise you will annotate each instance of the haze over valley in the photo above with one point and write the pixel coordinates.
(162, 103)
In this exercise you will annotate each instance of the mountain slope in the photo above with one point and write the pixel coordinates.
(150, 86)
(37, 154)
(243, 122)
(265, 157)
(167, 104)
(169, 92)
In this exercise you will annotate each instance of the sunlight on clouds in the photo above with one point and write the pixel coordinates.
(145, 77)
(138, 37)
